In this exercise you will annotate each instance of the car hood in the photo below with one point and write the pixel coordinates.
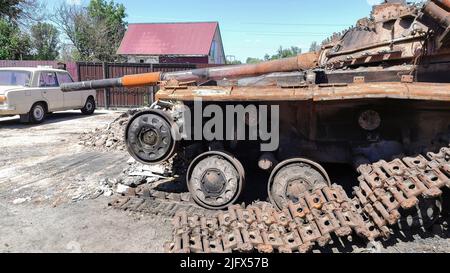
(5, 88)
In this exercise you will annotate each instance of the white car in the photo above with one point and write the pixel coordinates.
(34, 92)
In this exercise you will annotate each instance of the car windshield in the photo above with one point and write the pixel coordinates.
(11, 77)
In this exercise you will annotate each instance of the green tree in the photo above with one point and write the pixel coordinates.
(67, 52)
(112, 17)
(234, 62)
(281, 53)
(10, 9)
(21, 11)
(315, 47)
(251, 60)
(95, 31)
(45, 41)
(14, 45)
(287, 52)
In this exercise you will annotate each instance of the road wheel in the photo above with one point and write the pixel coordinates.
(89, 107)
(292, 178)
(215, 180)
(150, 137)
(37, 113)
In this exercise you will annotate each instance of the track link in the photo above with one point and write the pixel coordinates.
(150, 201)
(386, 188)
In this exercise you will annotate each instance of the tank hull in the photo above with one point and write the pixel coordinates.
(325, 126)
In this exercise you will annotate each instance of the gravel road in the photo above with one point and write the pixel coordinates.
(47, 185)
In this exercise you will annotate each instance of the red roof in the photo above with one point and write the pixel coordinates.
(168, 39)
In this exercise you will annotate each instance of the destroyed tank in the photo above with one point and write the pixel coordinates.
(379, 91)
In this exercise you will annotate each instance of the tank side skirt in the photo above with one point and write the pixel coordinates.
(416, 91)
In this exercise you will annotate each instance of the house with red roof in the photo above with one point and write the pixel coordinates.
(198, 43)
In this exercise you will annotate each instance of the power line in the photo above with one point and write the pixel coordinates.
(287, 35)
(277, 32)
(296, 24)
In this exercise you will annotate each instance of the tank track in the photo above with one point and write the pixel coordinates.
(151, 201)
(386, 189)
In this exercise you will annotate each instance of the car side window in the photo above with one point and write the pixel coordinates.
(64, 78)
(48, 79)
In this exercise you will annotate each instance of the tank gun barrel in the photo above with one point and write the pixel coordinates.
(439, 11)
(300, 62)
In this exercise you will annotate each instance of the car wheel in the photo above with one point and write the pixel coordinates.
(37, 113)
(89, 107)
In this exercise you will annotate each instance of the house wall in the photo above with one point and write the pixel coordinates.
(143, 59)
(217, 54)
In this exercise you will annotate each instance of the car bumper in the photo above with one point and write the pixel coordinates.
(7, 110)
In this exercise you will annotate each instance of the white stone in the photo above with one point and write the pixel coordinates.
(109, 143)
(19, 201)
(122, 188)
(152, 179)
(100, 142)
(108, 193)
(160, 169)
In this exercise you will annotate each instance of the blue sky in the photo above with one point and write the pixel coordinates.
(252, 28)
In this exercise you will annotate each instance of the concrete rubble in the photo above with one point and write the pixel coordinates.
(109, 138)
(134, 175)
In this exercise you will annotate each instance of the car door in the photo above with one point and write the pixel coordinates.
(48, 83)
(71, 99)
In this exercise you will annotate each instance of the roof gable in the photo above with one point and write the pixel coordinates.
(168, 39)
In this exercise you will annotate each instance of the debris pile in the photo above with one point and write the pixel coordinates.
(109, 138)
(135, 175)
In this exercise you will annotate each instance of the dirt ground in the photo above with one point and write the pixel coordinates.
(50, 200)
(47, 188)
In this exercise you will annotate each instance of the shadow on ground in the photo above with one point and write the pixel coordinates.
(14, 122)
